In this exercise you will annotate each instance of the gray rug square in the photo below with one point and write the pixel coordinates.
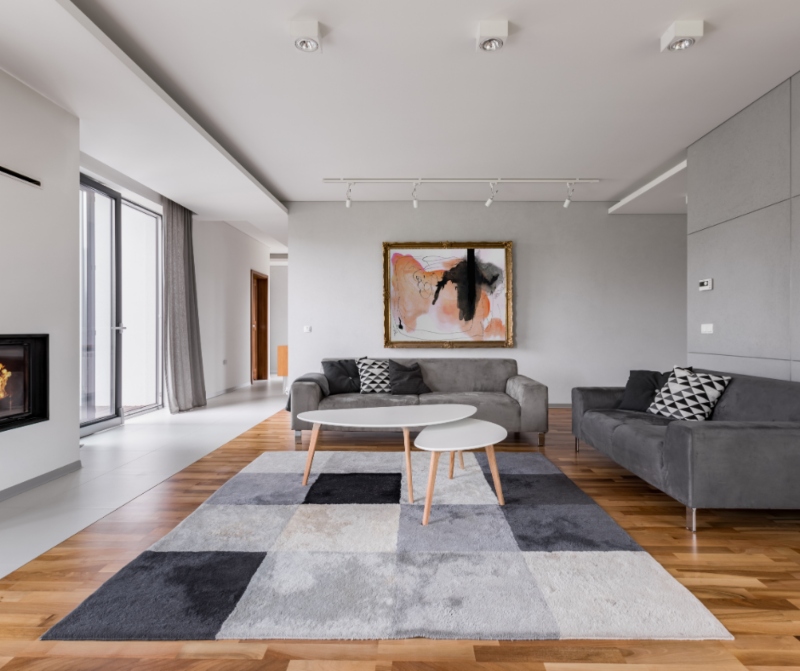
(287, 462)
(578, 528)
(262, 489)
(362, 462)
(317, 595)
(461, 528)
(519, 463)
(232, 528)
(482, 595)
(347, 527)
(534, 490)
(468, 486)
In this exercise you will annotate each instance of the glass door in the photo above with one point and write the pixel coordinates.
(140, 274)
(100, 326)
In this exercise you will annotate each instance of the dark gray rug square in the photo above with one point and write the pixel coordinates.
(341, 488)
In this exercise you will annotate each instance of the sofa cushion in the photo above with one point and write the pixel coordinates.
(459, 374)
(348, 401)
(495, 407)
(342, 376)
(641, 389)
(406, 379)
(639, 446)
(598, 426)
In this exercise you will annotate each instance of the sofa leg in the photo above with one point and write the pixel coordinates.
(577, 445)
(298, 437)
(541, 440)
(691, 519)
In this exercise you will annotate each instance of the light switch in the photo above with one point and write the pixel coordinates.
(706, 285)
(306, 329)
(706, 329)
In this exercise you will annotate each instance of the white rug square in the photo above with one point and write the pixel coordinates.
(619, 595)
(468, 486)
(312, 595)
(362, 462)
(230, 528)
(341, 528)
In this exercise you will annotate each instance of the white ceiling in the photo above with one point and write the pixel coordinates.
(581, 88)
(399, 90)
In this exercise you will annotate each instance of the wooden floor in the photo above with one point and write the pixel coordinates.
(745, 566)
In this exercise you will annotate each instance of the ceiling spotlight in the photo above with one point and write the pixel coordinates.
(306, 44)
(414, 196)
(493, 187)
(306, 35)
(492, 44)
(492, 35)
(347, 200)
(681, 35)
(570, 191)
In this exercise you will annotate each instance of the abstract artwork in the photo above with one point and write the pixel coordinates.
(447, 294)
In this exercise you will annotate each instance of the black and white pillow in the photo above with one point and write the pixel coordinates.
(374, 375)
(689, 395)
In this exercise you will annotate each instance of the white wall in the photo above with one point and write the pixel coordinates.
(278, 312)
(39, 269)
(595, 295)
(224, 257)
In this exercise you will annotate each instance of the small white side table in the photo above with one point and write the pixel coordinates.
(466, 434)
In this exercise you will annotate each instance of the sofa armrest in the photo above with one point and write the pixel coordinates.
(592, 398)
(306, 395)
(532, 398)
(733, 464)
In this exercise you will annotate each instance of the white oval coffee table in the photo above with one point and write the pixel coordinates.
(466, 434)
(402, 417)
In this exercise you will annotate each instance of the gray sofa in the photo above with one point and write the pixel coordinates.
(516, 402)
(747, 455)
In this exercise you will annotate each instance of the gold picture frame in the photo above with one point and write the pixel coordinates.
(390, 330)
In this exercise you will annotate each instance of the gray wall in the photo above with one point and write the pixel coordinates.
(278, 312)
(595, 295)
(744, 232)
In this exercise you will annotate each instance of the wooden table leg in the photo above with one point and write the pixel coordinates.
(452, 464)
(461, 459)
(495, 474)
(311, 448)
(407, 444)
(431, 482)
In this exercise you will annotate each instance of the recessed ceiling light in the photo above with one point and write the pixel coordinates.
(682, 34)
(492, 44)
(681, 44)
(307, 44)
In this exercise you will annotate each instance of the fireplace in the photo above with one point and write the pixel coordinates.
(24, 377)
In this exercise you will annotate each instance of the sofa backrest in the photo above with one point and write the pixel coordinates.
(757, 399)
(458, 374)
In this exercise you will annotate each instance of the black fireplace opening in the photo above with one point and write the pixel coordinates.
(24, 378)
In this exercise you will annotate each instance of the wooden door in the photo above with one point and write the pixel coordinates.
(259, 326)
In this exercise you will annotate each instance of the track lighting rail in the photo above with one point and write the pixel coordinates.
(458, 180)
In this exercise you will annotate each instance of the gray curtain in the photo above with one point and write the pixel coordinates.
(183, 359)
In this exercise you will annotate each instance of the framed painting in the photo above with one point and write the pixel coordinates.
(448, 294)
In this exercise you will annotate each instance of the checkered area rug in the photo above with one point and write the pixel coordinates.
(347, 557)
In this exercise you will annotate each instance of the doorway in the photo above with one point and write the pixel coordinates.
(259, 323)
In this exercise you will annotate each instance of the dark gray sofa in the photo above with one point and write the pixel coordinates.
(517, 403)
(747, 455)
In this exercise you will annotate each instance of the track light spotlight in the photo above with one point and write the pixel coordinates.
(493, 187)
(347, 195)
(414, 196)
(570, 191)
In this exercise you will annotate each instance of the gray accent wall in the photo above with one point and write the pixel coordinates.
(595, 295)
(744, 233)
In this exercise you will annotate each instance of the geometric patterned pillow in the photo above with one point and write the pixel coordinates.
(689, 395)
(374, 375)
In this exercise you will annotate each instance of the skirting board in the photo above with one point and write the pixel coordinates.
(39, 480)
(227, 391)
